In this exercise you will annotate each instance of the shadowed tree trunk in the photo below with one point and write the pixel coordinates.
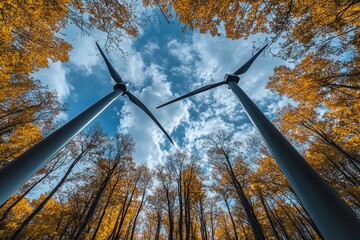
(263, 203)
(253, 222)
(138, 211)
(231, 217)
(179, 182)
(105, 208)
(202, 219)
(279, 222)
(212, 220)
(304, 213)
(124, 148)
(125, 208)
(95, 202)
(158, 224)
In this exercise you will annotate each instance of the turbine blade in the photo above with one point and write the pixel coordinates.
(138, 103)
(247, 65)
(115, 76)
(202, 89)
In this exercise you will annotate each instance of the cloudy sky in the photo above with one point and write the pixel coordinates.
(160, 64)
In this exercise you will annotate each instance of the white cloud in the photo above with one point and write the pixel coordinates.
(133, 69)
(182, 51)
(84, 55)
(150, 47)
(148, 137)
(204, 60)
(55, 77)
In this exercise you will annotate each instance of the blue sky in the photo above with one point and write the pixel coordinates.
(161, 63)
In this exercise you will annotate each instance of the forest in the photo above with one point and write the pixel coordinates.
(95, 189)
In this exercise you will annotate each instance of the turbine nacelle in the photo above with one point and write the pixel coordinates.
(122, 87)
(231, 77)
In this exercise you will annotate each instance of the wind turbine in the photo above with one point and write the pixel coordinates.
(120, 84)
(330, 214)
(18, 171)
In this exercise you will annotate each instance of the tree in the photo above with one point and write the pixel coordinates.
(166, 193)
(26, 110)
(116, 162)
(21, 209)
(175, 166)
(303, 25)
(228, 165)
(29, 32)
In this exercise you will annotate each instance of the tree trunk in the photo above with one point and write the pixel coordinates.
(254, 224)
(299, 231)
(231, 217)
(263, 203)
(170, 213)
(138, 212)
(105, 207)
(94, 204)
(202, 220)
(180, 206)
(212, 224)
(158, 225)
(126, 208)
(307, 217)
(279, 222)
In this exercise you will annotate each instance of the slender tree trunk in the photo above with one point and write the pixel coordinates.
(263, 203)
(202, 220)
(299, 231)
(113, 232)
(79, 218)
(332, 143)
(187, 211)
(244, 230)
(254, 223)
(58, 225)
(180, 205)
(231, 218)
(226, 229)
(279, 222)
(121, 210)
(64, 231)
(353, 180)
(138, 212)
(307, 217)
(305, 226)
(170, 213)
(105, 208)
(128, 231)
(94, 204)
(127, 205)
(212, 224)
(158, 225)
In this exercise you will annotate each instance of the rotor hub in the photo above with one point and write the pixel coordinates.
(231, 77)
(121, 86)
